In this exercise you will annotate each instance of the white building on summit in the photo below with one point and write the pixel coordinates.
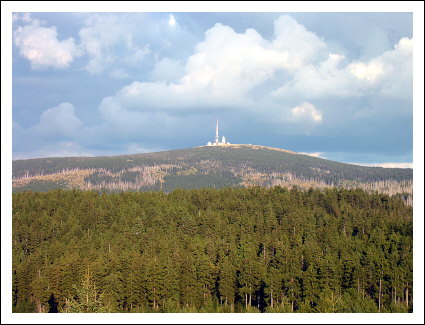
(217, 141)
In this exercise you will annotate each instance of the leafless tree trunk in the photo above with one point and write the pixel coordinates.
(407, 296)
(395, 295)
(271, 298)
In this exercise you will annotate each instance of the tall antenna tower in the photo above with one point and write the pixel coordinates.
(217, 141)
(216, 133)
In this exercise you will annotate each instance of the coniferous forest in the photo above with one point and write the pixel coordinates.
(209, 250)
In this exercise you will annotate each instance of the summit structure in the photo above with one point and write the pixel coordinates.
(217, 141)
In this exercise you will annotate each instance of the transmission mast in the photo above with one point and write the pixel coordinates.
(217, 140)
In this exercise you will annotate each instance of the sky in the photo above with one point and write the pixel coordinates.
(334, 85)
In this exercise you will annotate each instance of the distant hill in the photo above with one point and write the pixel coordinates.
(206, 166)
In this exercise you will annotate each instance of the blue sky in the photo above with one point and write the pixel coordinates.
(334, 85)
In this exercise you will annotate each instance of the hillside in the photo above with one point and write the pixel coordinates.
(206, 166)
(212, 250)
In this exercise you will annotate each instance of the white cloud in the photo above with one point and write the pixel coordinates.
(318, 80)
(172, 21)
(58, 122)
(399, 70)
(396, 61)
(306, 110)
(389, 74)
(41, 46)
(296, 41)
(387, 165)
(108, 41)
(167, 70)
(58, 133)
(369, 71)
(225, 67)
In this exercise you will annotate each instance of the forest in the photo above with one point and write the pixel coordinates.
(212, 250)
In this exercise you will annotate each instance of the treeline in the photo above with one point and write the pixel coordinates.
(227, 250)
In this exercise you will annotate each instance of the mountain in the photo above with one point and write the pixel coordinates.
(205, 166)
